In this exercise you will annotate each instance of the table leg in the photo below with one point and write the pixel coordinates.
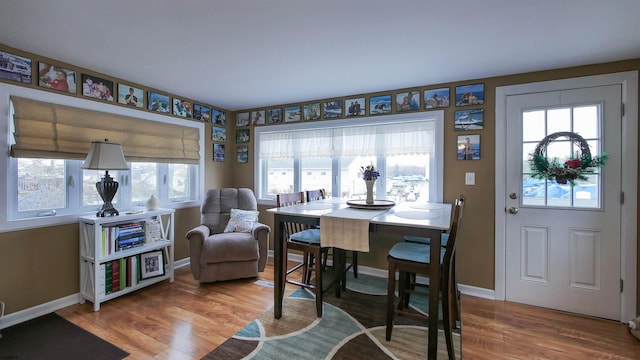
(279, 265)
(434, 291)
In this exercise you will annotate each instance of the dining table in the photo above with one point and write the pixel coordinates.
(347, 225)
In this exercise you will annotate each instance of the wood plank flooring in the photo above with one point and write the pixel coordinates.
(186, 320)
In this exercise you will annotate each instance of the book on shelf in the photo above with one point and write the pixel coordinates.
(115, 275)
(108, 275)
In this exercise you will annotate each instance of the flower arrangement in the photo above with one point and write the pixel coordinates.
(369, 172)
(569, 170)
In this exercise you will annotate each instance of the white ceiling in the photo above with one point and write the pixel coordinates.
(241, 54)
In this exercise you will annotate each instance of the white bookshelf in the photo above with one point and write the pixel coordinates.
(95, 254)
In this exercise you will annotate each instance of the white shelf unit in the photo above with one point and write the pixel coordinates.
(91, 254)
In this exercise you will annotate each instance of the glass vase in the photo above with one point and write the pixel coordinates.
(369, 184)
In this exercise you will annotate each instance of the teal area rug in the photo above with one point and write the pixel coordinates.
(352, 327)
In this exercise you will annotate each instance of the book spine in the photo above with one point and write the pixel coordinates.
(115, 275)
(123, 273)
(100, 284)
(108, 274)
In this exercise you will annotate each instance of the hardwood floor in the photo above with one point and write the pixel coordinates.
(186, 320)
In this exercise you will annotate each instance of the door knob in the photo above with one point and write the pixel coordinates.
(513, 196)
(513, 210)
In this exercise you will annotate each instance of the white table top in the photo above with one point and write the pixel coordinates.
(420, 215)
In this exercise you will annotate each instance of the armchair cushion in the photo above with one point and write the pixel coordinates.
(241, 221)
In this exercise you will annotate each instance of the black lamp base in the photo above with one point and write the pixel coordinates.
(107, 188)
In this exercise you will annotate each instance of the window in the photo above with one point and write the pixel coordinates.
(46, 190)
(407, 149)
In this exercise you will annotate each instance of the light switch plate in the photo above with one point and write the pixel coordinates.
(470, 178)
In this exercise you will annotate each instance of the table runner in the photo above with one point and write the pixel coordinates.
(347, 228)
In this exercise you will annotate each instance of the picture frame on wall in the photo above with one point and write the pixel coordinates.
(242, 136)
(311, 112)
(15, 68)
(292, 114)
(436, 98)
(242, 119)
(257, 117)
(57, 78)
(470, 95)
(151, 264)
(97, 88)
(274, 116)
(242, 154)
(218, 134)
(131, 96)
(158, 102)
(355, 107)
(218, 117)
(469, 119)
(469, 147)
(201, 112)
(380, 105)
(218, 152)
(182, 108)
(408, 101)
(332, 109)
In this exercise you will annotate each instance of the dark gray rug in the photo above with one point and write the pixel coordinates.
(51, 337)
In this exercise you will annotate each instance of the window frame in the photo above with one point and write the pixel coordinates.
(437, 171)
(9, 222)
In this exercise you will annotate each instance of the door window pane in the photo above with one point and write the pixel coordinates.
(41, 184)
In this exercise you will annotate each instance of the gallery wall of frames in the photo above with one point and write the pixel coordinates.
(26, 69)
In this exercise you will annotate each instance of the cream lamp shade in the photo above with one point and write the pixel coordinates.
(105, 156)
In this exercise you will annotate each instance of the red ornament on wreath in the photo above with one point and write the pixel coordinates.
(570, 170)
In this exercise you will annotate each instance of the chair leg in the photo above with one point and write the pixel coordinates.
(354, 262)
(317, 267)
(391, 288)
(447, 315)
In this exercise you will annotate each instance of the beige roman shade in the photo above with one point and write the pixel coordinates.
(46, 130)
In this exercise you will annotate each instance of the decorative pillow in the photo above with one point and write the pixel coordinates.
(241, 221)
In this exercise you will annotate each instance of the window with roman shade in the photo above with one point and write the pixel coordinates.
(47, 130)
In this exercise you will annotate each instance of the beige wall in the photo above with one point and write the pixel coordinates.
(41, 265)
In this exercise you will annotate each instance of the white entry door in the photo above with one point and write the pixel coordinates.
(562, 240)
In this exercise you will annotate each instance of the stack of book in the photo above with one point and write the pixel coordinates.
(122, 237)
(118, 274)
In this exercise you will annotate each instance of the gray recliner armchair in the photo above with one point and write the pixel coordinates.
(216, 255)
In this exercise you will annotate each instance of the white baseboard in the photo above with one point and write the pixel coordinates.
(38, 310)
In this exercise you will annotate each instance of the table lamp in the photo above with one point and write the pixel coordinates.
(106, 156)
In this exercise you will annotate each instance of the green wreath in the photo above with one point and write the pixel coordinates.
(571, 170)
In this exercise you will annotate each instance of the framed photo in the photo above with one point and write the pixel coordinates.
(292, 114)
(274, 116)
(130, 95)
(242, 119)
(332, 109)
(57, 78)
(182, 108)
(151, 264)
(469, 147)
(15, 68)
(158, 102)
(218, 152)
(436, 98)
(219, 117)
(242, 136)
(312, 111)
(97, 88)
(470, 95)
(380, 104)
(242, 153)
(355, 107)
(257, 117)
(469, 119)
(218, 134)
(408, 101)
(201, 112)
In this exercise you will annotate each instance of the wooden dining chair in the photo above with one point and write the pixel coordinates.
(409, 258)
(302, 238)
(321, 194)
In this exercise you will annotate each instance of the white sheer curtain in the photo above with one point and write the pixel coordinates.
(380, 139)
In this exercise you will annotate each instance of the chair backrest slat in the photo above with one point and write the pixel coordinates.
(452, 242)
